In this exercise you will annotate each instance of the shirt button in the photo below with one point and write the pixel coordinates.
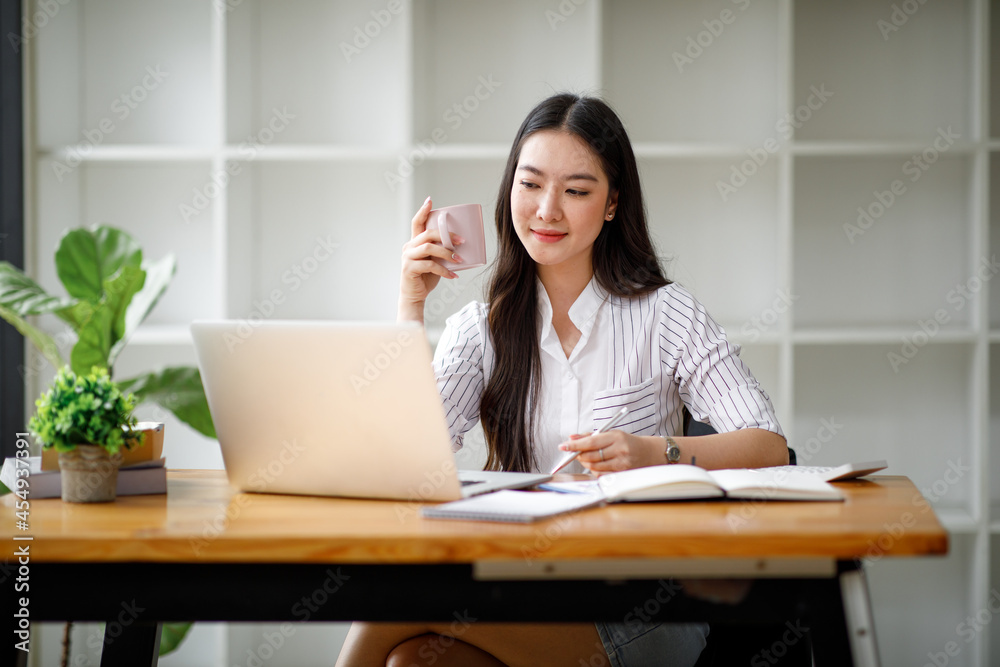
(569, 376)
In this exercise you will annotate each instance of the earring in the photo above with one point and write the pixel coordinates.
(611, 216)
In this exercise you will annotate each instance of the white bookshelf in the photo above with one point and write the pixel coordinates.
(261, 91)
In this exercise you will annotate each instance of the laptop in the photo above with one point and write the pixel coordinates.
(333, 409)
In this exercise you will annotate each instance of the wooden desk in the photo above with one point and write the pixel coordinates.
(205, 553)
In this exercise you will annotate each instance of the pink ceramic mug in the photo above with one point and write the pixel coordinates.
(465, 220)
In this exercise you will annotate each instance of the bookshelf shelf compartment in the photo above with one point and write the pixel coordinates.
(881, 336)
(856, 56)
(155, 96)
(877, 420)
(657, 55)
(476, 75)
(147, 200)
(688, 217)
(327, 268)
(290, 78)
(899, 605)
(873, 233)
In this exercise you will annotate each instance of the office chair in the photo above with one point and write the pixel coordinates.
(742, 644)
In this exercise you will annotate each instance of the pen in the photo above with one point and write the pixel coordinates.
(608, 425)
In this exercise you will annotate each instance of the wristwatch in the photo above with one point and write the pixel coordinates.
(672, 452)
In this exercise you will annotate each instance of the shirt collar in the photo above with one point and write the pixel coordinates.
(581, 313)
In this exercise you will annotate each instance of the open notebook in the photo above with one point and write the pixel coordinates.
(665, 482)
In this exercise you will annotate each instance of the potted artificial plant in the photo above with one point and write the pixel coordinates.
(88, 420)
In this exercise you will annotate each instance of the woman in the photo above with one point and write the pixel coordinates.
(580, 321)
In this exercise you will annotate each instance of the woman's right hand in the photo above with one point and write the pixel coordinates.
(420, 272)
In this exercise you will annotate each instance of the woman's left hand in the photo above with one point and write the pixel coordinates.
(613, 451)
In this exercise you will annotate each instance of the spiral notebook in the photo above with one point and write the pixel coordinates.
(512, 506)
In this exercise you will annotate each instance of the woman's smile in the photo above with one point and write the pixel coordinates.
(548, 235)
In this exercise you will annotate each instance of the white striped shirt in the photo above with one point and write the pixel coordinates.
(654, 354)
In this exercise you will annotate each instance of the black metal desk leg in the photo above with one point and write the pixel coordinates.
(138, 644)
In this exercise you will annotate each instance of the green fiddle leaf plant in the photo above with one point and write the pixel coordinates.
(111, 290)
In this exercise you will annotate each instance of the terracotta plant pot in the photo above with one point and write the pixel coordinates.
(89, 474)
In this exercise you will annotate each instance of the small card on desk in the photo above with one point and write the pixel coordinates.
(512, 506)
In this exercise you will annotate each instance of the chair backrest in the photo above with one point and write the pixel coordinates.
(692, 427)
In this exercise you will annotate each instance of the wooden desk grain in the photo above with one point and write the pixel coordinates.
(202, 520)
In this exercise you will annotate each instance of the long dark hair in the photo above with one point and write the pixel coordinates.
(624, 261)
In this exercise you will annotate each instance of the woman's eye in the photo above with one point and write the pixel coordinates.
(578, 193)
(528, 184)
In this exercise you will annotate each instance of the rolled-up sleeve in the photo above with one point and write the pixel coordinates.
(458, 367)
(715, 384)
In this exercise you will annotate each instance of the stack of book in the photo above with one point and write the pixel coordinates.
(143, 469)
(135, 479)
